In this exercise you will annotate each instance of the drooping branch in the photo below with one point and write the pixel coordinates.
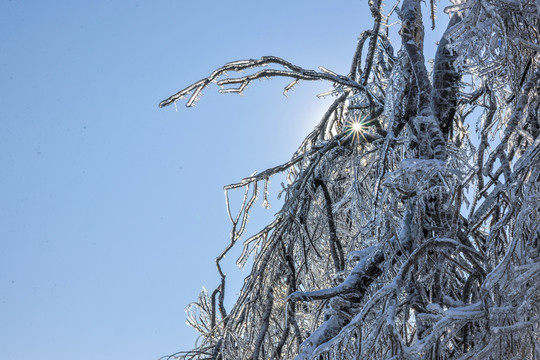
(428, 296)
(335, 245)
(356, 284)
(391, 290)
(239, 225)
(529, 157)
(342, 139)
(265, 324)
(291, 71)
(511, 126)
(366, 271)
(321, 335)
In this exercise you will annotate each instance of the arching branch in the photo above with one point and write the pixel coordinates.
(291, 71)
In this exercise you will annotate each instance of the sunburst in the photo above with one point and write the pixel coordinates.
(357, 126)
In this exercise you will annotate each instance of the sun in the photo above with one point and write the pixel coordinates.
(356, 126)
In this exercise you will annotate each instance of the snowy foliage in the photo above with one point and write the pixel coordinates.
(404, 234)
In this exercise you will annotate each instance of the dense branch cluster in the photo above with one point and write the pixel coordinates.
(403, 234)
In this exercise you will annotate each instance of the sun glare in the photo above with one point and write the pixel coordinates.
(357, 127)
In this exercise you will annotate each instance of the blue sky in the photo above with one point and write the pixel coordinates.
(113, 209)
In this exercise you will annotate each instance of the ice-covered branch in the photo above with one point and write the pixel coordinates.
(335, 245)
(342, 139)
(511, 126)
(265, 324)
(291, 71)
(375, 7)
(445, 82)
(361, 276)
(325, 332)
(385, 176)
(412, 34)
(356, 284)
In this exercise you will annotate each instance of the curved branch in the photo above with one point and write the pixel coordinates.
(292, 71)
(511, 126)
(366, 271)
(265, 324)
(340, 139)
(335, 246)
(376, 13)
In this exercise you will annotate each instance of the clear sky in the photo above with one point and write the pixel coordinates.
(112, 209)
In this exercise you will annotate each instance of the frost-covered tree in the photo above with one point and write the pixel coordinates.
(411, 221)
